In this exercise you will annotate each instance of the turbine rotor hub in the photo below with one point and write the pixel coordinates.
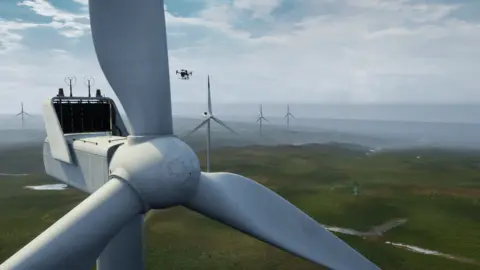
(163, 170)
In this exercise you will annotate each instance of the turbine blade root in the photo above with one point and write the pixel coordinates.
(223, 125)
(198, 127)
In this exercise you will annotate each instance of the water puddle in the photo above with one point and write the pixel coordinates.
(373, 151)
(14, 174)
(432, 252)
(374, 231)
(345, 231)
(48, 187)
(387, 226)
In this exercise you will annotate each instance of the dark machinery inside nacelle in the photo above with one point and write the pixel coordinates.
(86, 114)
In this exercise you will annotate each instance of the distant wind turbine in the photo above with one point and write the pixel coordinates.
(260, 119)
(288, 115)
(22, 113)
(209, 116)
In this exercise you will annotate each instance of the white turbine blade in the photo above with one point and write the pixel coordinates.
(266, 119)
(198, 127)
(77, 239)
(220, 122)
(209, 97)
(131, 46)
(125, 250)
(255, 210)
(293, 116)
(18, 114)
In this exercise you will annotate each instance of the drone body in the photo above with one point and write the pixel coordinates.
(184, 74)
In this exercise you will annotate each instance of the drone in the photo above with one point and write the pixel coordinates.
(184, 74)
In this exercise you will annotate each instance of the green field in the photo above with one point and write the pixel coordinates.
(439, 194)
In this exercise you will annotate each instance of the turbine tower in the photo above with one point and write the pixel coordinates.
(288, 115)
(22, 113)
(209, 117)
(151, 168)
(260, 120)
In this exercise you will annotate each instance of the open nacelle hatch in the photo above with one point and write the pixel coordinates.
(87, 115)
(81, 131)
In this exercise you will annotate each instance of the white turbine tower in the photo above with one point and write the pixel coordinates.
(151, 168)
(288, 115)
(261, 119)
(22, 113)
(209, 117)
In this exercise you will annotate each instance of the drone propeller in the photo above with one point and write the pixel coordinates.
(156, 170)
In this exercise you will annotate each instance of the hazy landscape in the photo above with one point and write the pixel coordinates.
(437, 196)
(417, 204)
(374, 126)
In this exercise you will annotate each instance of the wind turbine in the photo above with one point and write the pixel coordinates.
(151, 168)
(209, 117)
(22, 113)
(260, 119)
(288, 115)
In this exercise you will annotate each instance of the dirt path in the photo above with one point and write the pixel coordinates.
(378, 231)
(432, 252)
(374, 231)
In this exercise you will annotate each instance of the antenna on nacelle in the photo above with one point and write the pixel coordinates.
(89, 82)
(70, 80)
(98, 93)
(60, 92)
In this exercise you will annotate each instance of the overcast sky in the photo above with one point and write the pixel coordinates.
(296, 51)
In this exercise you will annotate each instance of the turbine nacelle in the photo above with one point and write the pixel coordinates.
(164, 170)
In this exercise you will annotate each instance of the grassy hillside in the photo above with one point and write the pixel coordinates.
(438, 192)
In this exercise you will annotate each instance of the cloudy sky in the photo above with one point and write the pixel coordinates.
(278, 51)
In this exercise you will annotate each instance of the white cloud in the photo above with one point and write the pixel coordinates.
(44, 8)
(260, 8)
(82, 2)
(69, 24)
(211, 21)
(222, 13)
(404, 10)
(362, 51)
(9, 38)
